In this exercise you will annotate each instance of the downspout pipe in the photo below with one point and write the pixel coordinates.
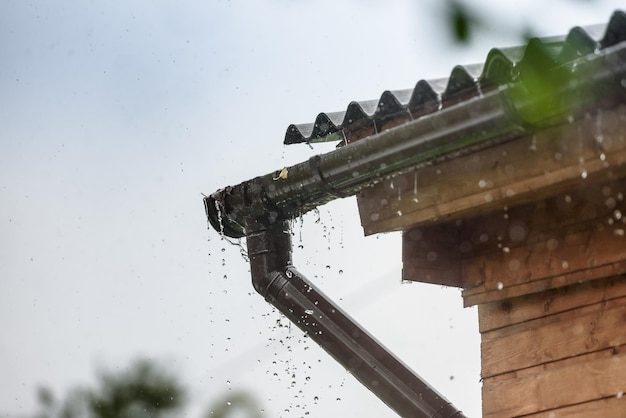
(275, 278)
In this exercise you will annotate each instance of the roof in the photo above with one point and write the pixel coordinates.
(501, 66)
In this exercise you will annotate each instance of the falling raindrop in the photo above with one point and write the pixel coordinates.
(610, 203)
(500, 286)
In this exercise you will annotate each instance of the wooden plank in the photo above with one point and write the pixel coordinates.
(510, 174)
(579, 209)
(567, 279)
(555, 337)
(432, 255)
(499, 314)
(549, 386)
(613, 407)
(579, 251)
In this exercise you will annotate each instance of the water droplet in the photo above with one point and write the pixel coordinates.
(565, 265)
(514, 264)
(620, 393)
(289, 274)
(568, 198)
(583, 174)
(610, 203)
(602, 157)
(340, 272)
(399, 213)
(500, 286)
(618, 232)
(506, 249)
(552, 243)
(617, 214)
(309, 311)
(482, 183)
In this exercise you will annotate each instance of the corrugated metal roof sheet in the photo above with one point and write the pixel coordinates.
(502, 66)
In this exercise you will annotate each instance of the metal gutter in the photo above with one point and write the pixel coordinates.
(536, 100)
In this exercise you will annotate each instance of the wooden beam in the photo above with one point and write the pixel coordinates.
(555, 337)
(432, 255)
(572, 237)
(523, 170)
(545, 387)
(612, 407)
(502, 313)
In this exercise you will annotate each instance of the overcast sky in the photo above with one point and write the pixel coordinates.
(114, 118)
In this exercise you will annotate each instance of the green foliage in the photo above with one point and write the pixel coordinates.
(460, 22)
(142, 391)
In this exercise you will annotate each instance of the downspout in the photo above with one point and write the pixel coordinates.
(274, 277)
(259, 209)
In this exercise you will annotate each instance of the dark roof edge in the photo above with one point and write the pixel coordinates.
(501, 66)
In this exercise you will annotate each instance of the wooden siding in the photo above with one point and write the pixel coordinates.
(556, 353)
(574, 236)
(517, 172)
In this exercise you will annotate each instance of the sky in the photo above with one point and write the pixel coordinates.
(116, 116)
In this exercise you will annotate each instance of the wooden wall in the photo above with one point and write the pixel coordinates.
(559, 353)
(534, 231)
